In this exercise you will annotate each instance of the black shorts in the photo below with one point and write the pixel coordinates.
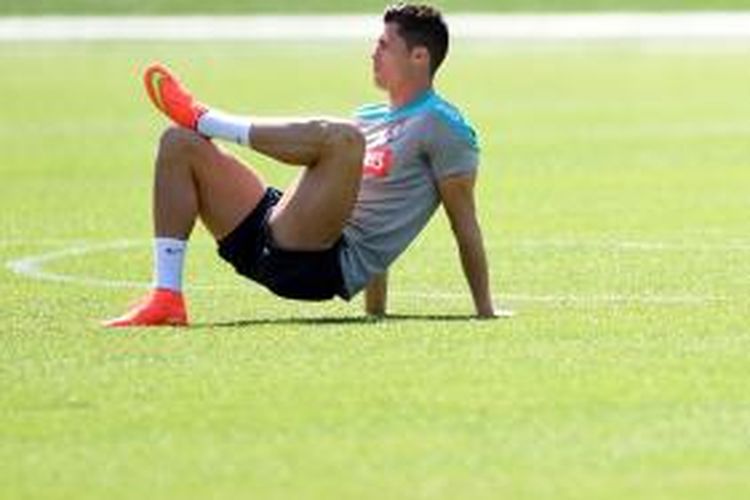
(301, 275)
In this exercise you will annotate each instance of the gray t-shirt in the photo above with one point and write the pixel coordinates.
(408, 150)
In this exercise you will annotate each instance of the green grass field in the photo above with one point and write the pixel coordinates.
(286, 6)
(614, 198)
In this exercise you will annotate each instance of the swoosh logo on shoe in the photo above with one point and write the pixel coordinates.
(156, 78)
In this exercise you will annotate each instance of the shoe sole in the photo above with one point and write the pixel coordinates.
(152, 80)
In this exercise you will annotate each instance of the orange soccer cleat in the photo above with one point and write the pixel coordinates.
(168, 94)
(161, 307)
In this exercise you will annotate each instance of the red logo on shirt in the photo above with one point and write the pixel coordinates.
(378, 161)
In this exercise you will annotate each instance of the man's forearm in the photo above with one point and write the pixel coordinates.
(474, 263)
(376, 295)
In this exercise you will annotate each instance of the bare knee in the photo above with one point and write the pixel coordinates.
(344, 140)
(344, 135)
(180, 143)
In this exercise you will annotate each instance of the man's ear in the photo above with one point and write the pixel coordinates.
(421, 55)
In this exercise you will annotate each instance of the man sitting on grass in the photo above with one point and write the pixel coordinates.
(365, 192)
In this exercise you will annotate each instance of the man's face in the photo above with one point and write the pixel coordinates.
(391, 59)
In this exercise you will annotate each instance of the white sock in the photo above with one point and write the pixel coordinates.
(169, 260)
(231, 128)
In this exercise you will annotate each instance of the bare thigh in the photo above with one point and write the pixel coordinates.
(313, 211)
(228, 194)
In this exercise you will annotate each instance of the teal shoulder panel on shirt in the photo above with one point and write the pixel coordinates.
(429, 102)
(372, 111)
(384, 112)
(449, 114)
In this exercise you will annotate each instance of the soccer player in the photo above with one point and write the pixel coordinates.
(366, 189)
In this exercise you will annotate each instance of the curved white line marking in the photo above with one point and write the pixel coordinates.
(67, 242)
(33, 267)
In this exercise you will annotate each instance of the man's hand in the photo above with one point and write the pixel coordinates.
(376, 295)
(487, 312)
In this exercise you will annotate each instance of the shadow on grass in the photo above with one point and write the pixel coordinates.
(338, 320)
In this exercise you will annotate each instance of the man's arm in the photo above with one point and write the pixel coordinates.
(376, 295)
(457, 194)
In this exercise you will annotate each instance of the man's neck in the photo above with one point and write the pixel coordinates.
(400, 97)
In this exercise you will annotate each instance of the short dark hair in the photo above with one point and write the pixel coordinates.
(421, 26)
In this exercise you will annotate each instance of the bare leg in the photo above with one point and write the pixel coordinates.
(312, 213)
(294, 141)
(194, 178)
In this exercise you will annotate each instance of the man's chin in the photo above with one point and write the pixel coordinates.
(379, 83)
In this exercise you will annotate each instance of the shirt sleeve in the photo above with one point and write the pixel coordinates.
(451, 146)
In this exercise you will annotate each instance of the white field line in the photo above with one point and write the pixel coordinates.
(598, 26)
(33, 267)
(607, 298)
(630, 246)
